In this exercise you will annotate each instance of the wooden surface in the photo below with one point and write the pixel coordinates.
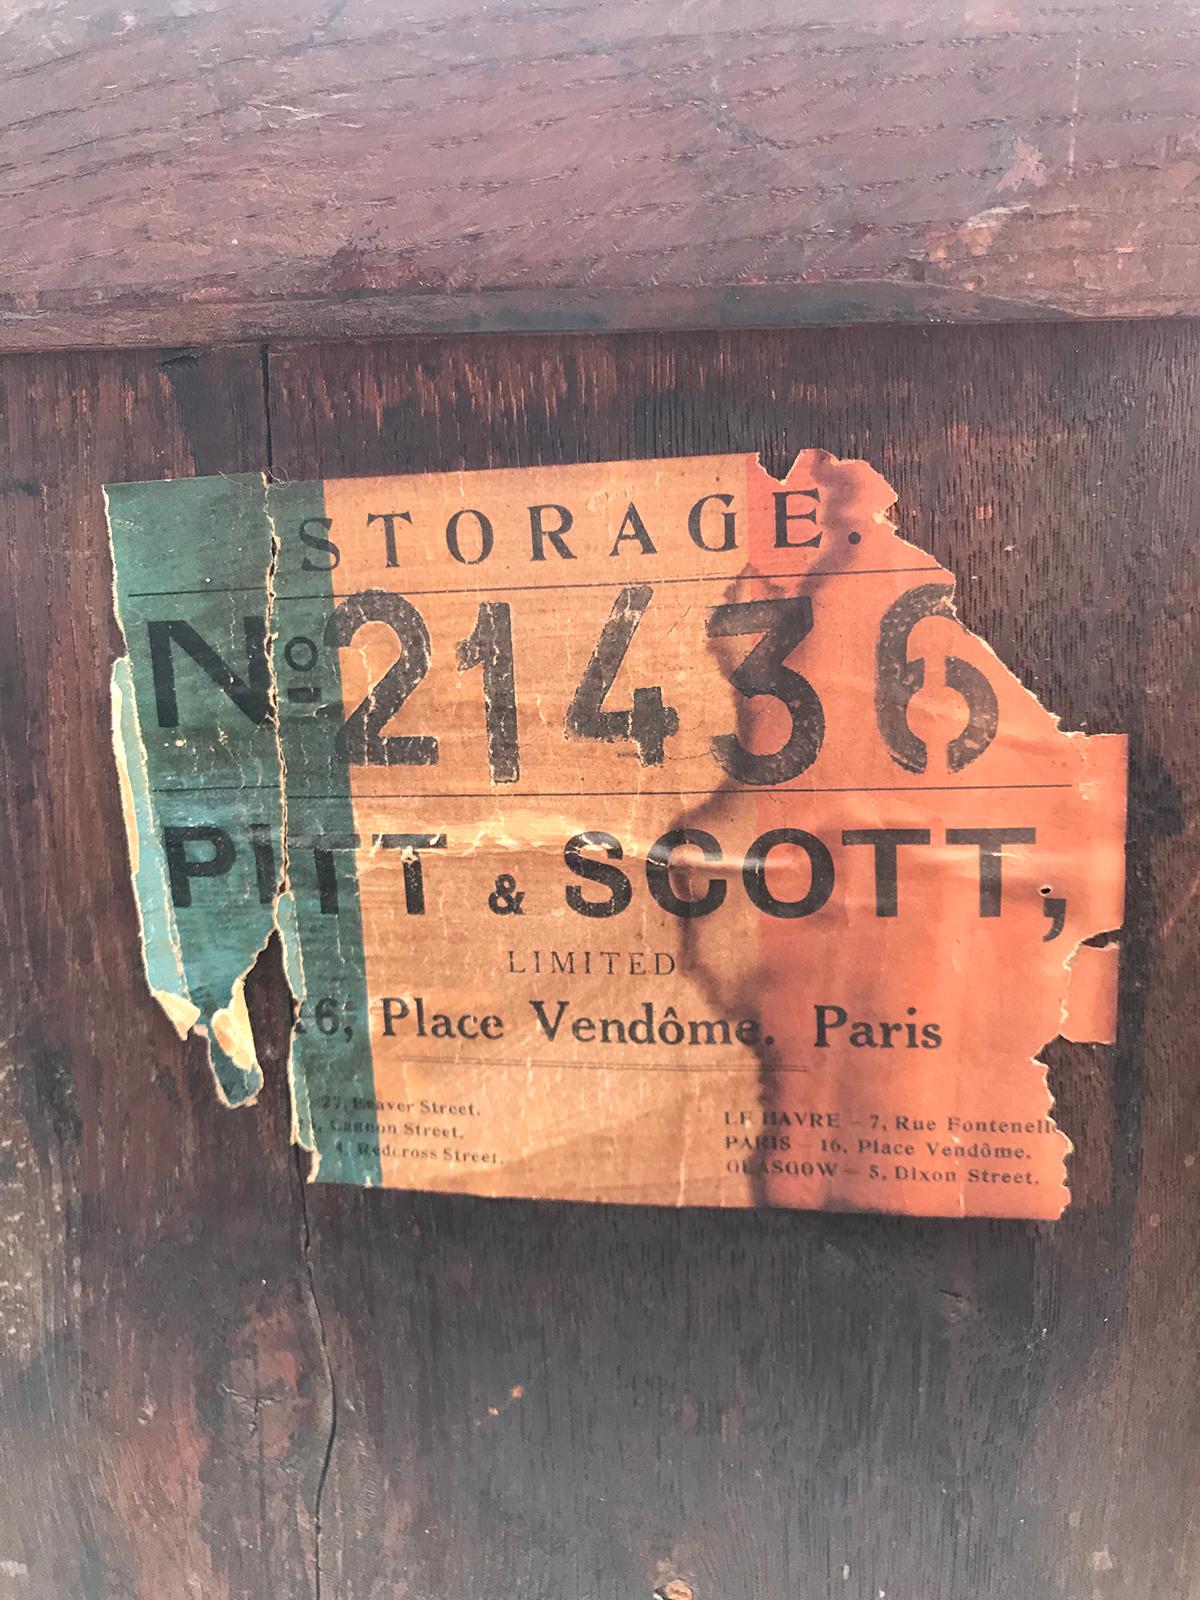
(186, 174)
(163, 1397)
(216, 1382)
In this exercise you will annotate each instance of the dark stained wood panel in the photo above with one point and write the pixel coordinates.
(164, 1402)
(216, 1382)
(543, 1400)
(185, 175)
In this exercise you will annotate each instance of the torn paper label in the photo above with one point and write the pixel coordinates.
(644, 831)
(196, 747)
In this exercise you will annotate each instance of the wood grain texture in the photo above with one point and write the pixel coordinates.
(164, 1399)
(547, 1400)
(204, 172)
(216, 1383)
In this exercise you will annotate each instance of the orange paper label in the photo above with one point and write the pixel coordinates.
(648, 832)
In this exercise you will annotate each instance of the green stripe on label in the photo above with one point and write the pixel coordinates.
(196, 747)
(320, 916)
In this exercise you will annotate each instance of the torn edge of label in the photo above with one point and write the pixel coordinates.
(198, 975)
(303, 1134)
(1091, 967)
(1088, 1012)
(1088, 1004)
(226, 1029)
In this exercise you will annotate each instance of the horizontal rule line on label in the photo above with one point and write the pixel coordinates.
(509, 588)
(616, 794)
(596, 1066)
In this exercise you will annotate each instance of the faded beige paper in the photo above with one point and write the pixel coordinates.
(650, 832)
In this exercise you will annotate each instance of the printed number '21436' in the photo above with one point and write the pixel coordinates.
(647, 724)
(781, 623)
